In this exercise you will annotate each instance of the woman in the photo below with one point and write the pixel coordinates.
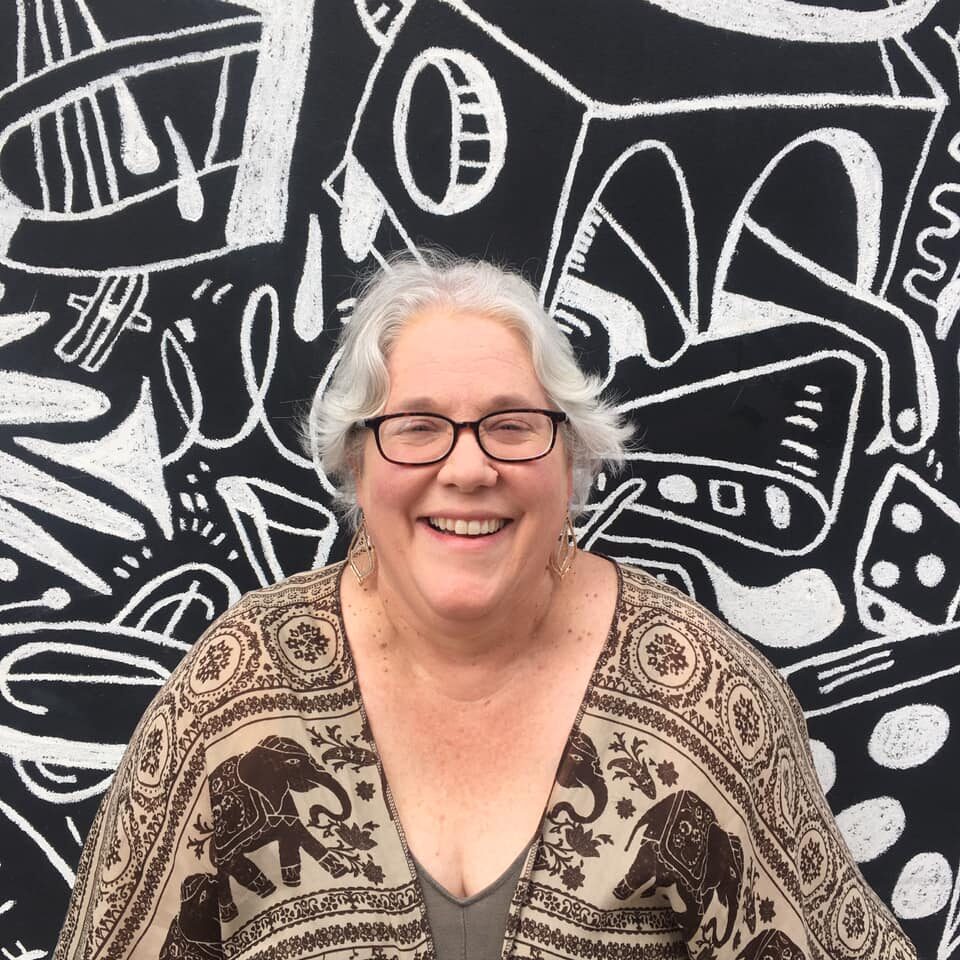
(471, 735)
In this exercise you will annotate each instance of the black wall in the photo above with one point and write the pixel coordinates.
(747, 223)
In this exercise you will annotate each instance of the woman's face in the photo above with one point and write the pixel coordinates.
(463, 365)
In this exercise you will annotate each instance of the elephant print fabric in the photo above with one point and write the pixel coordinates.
(250, 818)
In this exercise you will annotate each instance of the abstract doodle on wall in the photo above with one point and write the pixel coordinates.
(745, 216)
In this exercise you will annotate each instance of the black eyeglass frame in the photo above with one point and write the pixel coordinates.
(373, 423)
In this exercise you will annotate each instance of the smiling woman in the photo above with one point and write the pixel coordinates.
(486, 741)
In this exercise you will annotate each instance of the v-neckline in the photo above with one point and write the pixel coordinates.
(491, 887)
(516, 903)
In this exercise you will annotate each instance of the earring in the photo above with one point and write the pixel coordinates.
(360, 556)
(561, 560)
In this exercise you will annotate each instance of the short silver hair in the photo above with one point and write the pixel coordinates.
(594, 435)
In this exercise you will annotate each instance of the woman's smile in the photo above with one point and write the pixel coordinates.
(469, 534)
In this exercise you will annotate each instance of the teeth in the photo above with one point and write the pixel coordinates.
(467, 528)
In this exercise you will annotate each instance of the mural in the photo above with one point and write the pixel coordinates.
(745, 215)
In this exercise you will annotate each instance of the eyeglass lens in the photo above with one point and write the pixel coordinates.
(511, 435)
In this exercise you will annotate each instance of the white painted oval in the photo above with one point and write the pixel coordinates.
(474, 96)
(907, 517)
(825, 763)
(909, 736)
(678, 488)
(931, 570)
(778, 503)
(872, 827)
(884, 573)
(923, 887)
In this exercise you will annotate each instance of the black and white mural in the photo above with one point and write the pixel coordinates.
(745, 214)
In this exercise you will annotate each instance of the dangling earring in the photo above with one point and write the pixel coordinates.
(360, 556)
(561, 560)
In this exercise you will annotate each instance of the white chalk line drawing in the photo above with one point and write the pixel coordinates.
(262, 301)
(909, 736)
(128, 457)
(22, 952)
(803, 22)
(800, 425)
(916, 502)
(190, 200)
(623, 318)
(244, 499)
(115, 306)
(56, 861)
(152, 617)
(921, 413)
(758, 612)
(160, 604)
(123, 458)
(363, 211)
(479, 130)
(947, 302)
(662, 107)
(219, 111)
(139, 152)
(874, 659)
(923, 887)
(16, 326)
(796, 477)
(308, 305)
(258, 207)
(258, 202)
(379, 17)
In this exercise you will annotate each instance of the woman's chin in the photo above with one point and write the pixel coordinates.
(466, 595)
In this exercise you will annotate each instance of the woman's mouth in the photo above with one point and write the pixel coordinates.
(467, 528)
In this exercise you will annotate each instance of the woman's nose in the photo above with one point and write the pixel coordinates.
(467, 466)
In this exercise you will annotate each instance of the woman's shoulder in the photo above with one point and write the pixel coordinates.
(676, 644)
(320, 587)
(284, 641)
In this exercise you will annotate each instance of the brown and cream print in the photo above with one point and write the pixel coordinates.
(250, 817)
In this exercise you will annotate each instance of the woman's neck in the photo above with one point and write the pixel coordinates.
(460, 661)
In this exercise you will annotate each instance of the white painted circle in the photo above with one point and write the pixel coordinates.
(909, 736)
(825, 763)
(9, 571)
(871, 827)
(930, 570)
(678, 488)
(56, 598)
(907, 420)
(923, 887)
(906, 517)
(884, 573)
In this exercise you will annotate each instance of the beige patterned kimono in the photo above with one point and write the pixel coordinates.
(250, 818)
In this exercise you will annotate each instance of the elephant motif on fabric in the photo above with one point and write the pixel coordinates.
(683, 844)
(195, 931)
(771, 945)
(580, 767)
(253, 805)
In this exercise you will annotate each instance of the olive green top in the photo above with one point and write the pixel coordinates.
(470, 928)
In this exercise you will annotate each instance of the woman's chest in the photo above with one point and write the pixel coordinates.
(469, 787)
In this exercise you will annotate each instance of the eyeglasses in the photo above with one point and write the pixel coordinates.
(417, 439)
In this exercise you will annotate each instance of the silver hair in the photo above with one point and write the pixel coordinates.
(594, 435)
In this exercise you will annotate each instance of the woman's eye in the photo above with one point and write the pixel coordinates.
(419, 426)
(511, 427)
